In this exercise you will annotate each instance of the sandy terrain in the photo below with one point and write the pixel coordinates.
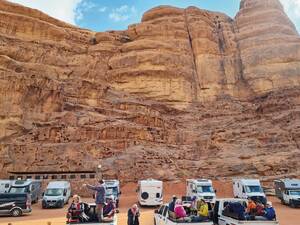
(286, 215)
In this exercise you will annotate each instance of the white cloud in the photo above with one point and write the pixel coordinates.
(102, 9)
(122, 13)
(64, 10)
(292, 8)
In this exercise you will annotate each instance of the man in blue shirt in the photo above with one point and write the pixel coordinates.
(269, 212)
(172, 203)
(99, 197)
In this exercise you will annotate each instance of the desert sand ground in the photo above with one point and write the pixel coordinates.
(286, 215)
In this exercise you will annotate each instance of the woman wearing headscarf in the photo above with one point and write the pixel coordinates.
(133, 215)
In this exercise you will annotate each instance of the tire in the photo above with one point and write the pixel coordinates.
(61, 204)
(292, 204)
(154, 221)
(145, 195)
(16, 212)
(282, 202)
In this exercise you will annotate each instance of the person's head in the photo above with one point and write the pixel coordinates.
(178, 202)
(134, 207)
(269, 204)
(174, 198)
(76, 198)
(202, 202)
(110, 198)
(101, 181)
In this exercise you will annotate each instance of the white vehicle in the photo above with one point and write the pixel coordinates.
(288, 191)
(248, 188)
(220, 219)
(57, 194)
(5, 185)
(162, 217)
(150, 192)
(113, 189)
(91, 217)
(201, 188)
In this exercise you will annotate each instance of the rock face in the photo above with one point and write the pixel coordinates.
(184, 93)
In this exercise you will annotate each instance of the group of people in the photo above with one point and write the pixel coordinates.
(260, 211)
(105, 207)
(196, 211)
(251, 211)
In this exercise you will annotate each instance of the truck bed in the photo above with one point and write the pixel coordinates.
(248, 222)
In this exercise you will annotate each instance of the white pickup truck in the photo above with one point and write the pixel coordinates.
(91, 217)
(220, 219)
(162, 217)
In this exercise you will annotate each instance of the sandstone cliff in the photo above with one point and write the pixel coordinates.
(184, 93)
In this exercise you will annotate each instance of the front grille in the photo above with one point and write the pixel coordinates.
(208, 197)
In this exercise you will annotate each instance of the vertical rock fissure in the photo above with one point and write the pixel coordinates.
(195, 74)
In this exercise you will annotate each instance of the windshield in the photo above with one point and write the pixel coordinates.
(251, 189)
(294, 192)
(54, 192)
(19, 190)
(202, 189)
(111, 191)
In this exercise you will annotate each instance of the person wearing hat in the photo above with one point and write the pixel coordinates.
(172, 203)
(269, 212)
(110, 208)
(99, 197)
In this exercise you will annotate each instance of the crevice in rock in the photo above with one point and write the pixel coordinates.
(195, 74)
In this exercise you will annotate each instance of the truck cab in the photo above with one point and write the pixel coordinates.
(57, 194)
(33, 187)
(249, 188)
(201, 188)
(150, 192)
(288, 191)
(113, 189)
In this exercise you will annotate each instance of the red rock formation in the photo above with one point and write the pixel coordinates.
(187, 92)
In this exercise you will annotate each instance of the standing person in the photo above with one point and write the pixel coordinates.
(133, 215)
(99, 197)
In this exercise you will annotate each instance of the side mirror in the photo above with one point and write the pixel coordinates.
(65, 194)
(117, 211)
(120, 192)
(156, 211)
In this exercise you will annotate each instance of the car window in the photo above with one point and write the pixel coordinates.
(165, 211)
(161, 210)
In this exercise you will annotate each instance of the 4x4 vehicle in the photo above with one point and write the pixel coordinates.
(15, 204)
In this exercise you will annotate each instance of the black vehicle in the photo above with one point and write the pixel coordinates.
(15, 204)
(32, 187)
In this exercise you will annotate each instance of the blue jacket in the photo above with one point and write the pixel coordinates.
(100, 193)
(172, 206)
(270, 213)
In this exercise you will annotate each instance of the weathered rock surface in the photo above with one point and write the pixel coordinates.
(184, 93)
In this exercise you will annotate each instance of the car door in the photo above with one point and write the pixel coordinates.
(159, 215)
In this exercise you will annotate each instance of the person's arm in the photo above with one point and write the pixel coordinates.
(94, 188)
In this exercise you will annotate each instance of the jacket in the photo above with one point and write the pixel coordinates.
(100, 193)
(133, 220)
(203, 210)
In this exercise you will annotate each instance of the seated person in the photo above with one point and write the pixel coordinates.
(110, 208)
(76, 210)
(203, 213)
(192, 207)
(172, 203)
(180, 211)
(260, 209)
(269, 212)
(250, 210)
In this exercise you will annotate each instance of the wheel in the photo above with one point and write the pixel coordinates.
(154, 221)
(282, 202)
(292, 204)
(61, 204)
(16, 212)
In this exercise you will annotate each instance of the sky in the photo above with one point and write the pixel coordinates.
(103, 15)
